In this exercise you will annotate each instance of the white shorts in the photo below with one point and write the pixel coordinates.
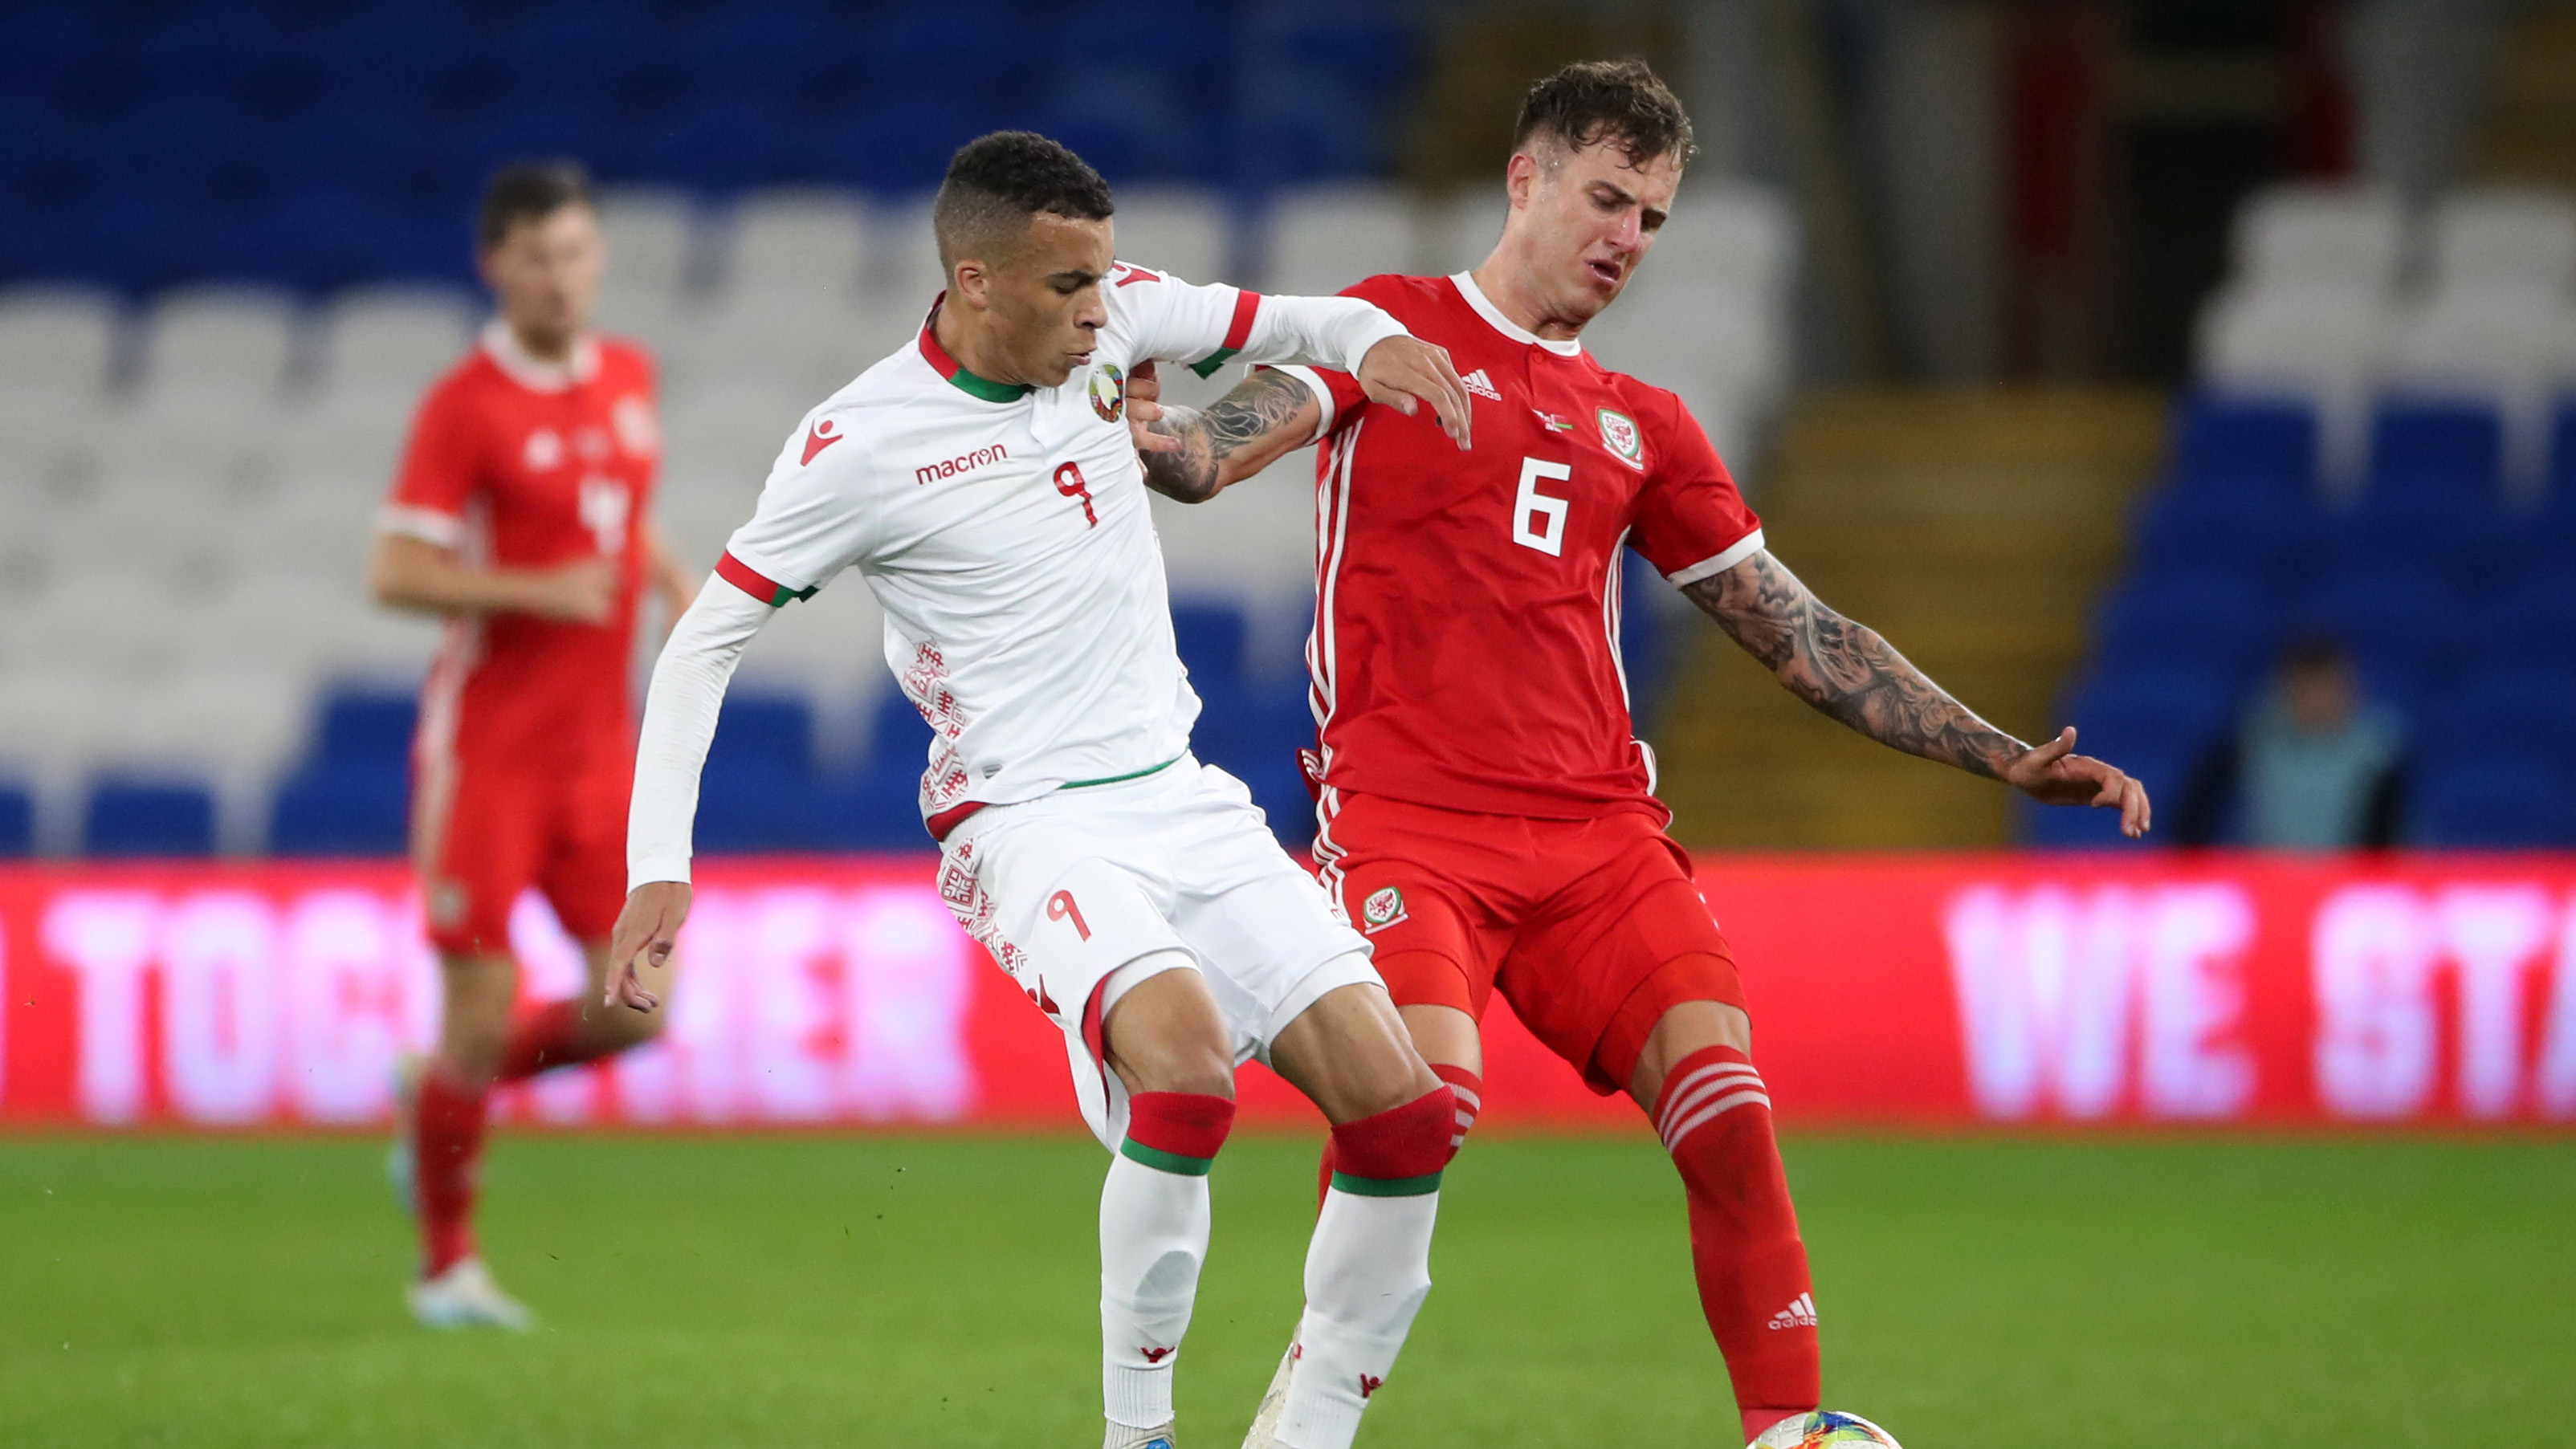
(1066, 889)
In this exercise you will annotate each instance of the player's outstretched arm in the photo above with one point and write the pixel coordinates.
(412, 573)
(1847, 671)
(1192, 455)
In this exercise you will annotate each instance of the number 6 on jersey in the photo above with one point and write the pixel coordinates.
(1549, 537)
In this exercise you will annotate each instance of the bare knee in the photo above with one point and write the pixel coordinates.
(1688, 1027)
(1166, 1035)
(1352, 1056)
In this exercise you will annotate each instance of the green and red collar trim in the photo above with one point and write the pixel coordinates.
(955, 372)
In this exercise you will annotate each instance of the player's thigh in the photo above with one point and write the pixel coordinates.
(485, 847)
(1350, 1054)
(1059, 909)
(1593, 973)
(583, 871)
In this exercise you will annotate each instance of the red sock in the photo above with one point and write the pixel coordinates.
(544, 1039)
(1715, 1119)
(1464, 1084)
(447, 1151)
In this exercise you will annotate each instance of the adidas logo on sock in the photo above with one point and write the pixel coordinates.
(1801, 1313)
(1481, 385)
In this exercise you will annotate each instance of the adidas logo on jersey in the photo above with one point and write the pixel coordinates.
(1481, 385)
(1801, 1313)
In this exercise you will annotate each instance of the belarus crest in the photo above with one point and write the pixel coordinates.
(1619, 434)
(1382, 909)
(1109, 392)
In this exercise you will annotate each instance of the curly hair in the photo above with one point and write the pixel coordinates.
(997, 182)
(1622, 102)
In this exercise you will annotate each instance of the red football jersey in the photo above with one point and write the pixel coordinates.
(1466, 643)
(516, 463)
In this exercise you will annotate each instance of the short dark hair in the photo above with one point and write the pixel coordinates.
(528, 191)
(996, 183)
(1622, 102)
(2313, 651)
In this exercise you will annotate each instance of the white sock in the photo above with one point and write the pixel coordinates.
(1368, 1269)
(1153, 1237)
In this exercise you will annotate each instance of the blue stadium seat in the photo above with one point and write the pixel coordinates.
(2524, 711)
(1210, 635)
(2237, 443)
(2160, 725)
(17, 820)
(2530, 619)
(2204, 619)
(2259, 531)
(133, 816)
(876, 807)
(2491, 802)
(758, 789)
(2438, 447)
(2402, 624)
(2464, 535)
(339, 811)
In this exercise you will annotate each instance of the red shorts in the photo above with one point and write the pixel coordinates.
(485, 828)
(1591, 929)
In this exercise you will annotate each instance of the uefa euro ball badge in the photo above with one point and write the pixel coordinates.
(1825, 1429)
(1109, 392)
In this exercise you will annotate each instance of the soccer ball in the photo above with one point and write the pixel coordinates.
(1825, 1427)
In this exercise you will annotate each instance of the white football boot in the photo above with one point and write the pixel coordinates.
(466, 1297)
(1126, 1436)
(1264, 1433)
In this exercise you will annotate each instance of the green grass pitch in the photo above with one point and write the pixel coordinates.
(939, 1291)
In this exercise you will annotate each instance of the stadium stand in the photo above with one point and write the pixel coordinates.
(2437, 543)
(235, 246)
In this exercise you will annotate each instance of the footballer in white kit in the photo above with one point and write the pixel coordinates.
(984, 482)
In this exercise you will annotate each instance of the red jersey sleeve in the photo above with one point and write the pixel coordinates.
(438, 474)
(1691, 521)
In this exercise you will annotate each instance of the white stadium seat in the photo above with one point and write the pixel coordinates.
(652, 239)
(1175, 230)
(2346, 236)
(2319, 342)
(804, 244)
(219, 343)
(1460, 231)
(394, 339)
(2513, 346)
(2521, 237)
(57, 344)
(1743, 235)
(904, 271)
(1322, 239)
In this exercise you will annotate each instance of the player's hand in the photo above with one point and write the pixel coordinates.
(1406, 372)
(1145, 408)
(639, 949)
(2054, 774)
(581, 592)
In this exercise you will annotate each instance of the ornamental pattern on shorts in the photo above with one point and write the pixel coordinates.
(964, 895)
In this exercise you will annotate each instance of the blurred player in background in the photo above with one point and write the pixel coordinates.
(1487, 817)
(521, 516)
(983, 484)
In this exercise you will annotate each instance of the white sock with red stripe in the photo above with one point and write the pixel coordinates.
(1715, 1118)
(1153, 1239)
(1368, 1268)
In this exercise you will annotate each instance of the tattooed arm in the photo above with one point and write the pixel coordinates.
(1847, 671)
(1193, 455)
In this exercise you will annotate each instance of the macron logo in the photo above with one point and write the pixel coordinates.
(823, 436)
(962, 463)
(1481, 385)
(1801, 1313)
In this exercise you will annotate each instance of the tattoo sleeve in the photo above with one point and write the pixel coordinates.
(1251, 419)
(1846, 670)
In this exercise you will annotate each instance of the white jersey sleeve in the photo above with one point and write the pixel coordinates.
(816, 514)
(680, 711)
(1171, 320)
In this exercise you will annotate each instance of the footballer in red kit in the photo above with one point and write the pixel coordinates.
(1486, 817)
(520, 515)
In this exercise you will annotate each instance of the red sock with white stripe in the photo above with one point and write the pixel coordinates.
(1715, 1119)
(1153, 1239)
(447, 1155)
(546, 1038)
(1368, 1268)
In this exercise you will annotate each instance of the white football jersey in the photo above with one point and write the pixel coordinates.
(1004, 531)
